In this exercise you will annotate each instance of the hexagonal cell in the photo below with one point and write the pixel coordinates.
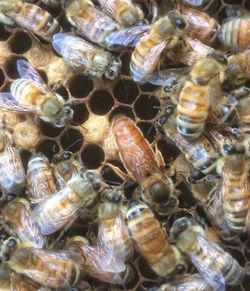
(147, 107)
(49, 148)
(20, 42)
(11, 68)
(110, 176)
(25, 157)
(4, 34)
(122, 110)
(92, 156)
(126, 63)
(49, 129)
(2, 77)
(126, 91)
(186, 198)
(148, 130)
(72, 140)
(81, 114)
(62, 91)
(101, 102)
(80, 86)
(169, 151)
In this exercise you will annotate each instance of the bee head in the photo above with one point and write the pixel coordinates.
(167, 112)
(180, 226)
(95, 180)
(82, 187)
(131, 16)
(7, 248)
(113, 71)
(107, 210)
(177, 20)
(65, 117)
(51, 108)
(113, 195)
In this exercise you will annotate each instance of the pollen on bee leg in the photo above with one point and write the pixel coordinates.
(27, 135)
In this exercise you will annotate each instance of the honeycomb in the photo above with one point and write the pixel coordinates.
(94, 103)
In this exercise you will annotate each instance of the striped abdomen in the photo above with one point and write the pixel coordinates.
(38, 21)
(235, 33)
(236, 194)
(192, 110)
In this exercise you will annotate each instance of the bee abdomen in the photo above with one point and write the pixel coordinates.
(235, 33)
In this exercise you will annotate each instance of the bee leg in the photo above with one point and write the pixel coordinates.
(119, 172)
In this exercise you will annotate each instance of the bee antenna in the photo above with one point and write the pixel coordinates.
(76, 141)
(111, 182)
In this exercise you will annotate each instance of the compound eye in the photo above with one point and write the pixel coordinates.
(228, 149)
(67, 110)
(91, 176)
(110, 74)
(66, 156)
(97, 186)
(159, 192)
(180, 269)
(12, 243)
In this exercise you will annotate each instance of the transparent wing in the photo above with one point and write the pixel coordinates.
(73, 48)
(128, 37)
(109, 6)
(8, 101)
(211, 273)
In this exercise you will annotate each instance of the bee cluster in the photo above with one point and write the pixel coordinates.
(124, 145)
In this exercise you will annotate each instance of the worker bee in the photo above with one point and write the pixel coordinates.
(165, 33)
(49, 268)
(17, 217)
(216, 265)
(65, 167)
(123, 11)
(30, 17)
(113, 231)
(41, 182)
(143, 165)
(60, 210)
(12, 176)
(189, 282)
(234, 33)
(100, 262)
(198, 95)
(235, 190)
(31, 95)
(151, 241)
(93, 60)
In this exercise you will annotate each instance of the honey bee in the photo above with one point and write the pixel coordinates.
(65, 168)
(5, 282)
(216, 265)
(123, 11)
(93, 60)
(31, 95)
(198, 95)
(234, 33)
(100, 262)
(12, 177)
(113, 231)
(165, 33)
(151, 241)
(189, 282)
(30, 17)
(41, 182)
(17, 217)
(60, 210)
(49, 268)
(235, 186)
(143, 165)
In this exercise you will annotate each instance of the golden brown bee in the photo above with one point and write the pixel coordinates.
(234, 33)
(151, 241)
(235, 187)
(65, 168)
(31, 95)
(12, 177)
(113, 230)
(143, 165)
(198, 95)
(93, 60)
(17, 217)
(216, 265)
(60, 210)
(30, 17)
(165, 33)
(123, 11)
(100, 262)
(190, 282)
(49, 268)
(41, 182)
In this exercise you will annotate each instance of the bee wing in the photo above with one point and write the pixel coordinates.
(128, 36)
(59, 215)
(73, 48)
(108, 6)
(11, 168)
(9, 102)
(213, 277)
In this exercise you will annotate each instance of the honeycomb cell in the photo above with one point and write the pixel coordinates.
(145, 270)
(92, 156)
(25, 157)
(4, 34)
(80, 86)
(10, 67)
(148, 130)
(147, 87)
(20, 42)
(49, 129)
(126, 63)
(122, 110)
(43, 75)
(2, 77)
(126, 91)
(101, 102)
(186, 199)
(169, 151)
(49, 148)
(81, 114)
(72, 140)
(109, 175)
(62, 91)
(147, 107)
